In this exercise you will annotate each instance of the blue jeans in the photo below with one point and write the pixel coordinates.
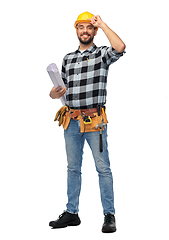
(74, 141)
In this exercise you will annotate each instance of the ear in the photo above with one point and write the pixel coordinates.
(95, 32)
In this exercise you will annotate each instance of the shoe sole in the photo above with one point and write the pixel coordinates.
(73, 223)
(108, 230)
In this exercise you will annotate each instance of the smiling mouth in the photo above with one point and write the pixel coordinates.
(85, 35)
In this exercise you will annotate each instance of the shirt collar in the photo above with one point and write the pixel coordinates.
(90, 50)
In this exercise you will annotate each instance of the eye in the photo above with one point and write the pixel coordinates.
(81, 27)
(90, 28)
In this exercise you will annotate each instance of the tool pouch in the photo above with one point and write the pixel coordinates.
(95, 121)
(66, 120)
(63, 117)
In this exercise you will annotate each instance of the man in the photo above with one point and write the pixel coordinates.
(84, 73)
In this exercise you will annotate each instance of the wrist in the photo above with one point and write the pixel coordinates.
(103, 25)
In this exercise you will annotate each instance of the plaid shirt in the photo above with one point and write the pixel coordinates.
(85, 76)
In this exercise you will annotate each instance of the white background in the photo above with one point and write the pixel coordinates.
(33, 164)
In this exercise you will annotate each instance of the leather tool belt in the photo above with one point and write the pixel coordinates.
(83, 112)
(89, 118)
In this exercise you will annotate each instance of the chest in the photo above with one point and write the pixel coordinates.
(83, 64)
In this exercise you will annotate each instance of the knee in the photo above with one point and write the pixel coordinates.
(74, 169)
(103, 169)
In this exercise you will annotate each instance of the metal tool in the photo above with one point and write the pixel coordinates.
(100, 125)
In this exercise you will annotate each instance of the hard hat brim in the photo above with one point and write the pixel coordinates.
(82, 21)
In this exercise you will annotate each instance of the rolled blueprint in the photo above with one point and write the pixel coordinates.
(56, 79)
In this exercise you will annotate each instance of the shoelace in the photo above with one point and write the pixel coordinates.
(60, 216)
(108, 218)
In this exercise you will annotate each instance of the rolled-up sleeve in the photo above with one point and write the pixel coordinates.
(110, 55)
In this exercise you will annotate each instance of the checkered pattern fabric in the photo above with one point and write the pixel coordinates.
(85, 76)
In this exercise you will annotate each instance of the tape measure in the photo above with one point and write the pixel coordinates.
(87, 120)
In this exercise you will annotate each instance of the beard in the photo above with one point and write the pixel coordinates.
(87, 41)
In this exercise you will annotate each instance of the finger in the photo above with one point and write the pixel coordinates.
(62, 92)
(93, 19)
(58, 88)
(64, 89)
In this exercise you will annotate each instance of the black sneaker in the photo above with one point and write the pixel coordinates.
(66, 219)
(109, 225)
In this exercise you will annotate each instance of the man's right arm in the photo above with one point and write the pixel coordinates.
(57, 92)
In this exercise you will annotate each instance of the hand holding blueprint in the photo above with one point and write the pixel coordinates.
(56, 79)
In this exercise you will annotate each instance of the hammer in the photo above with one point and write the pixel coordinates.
(100, 125)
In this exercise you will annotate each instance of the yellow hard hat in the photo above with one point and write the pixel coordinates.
(83, 17)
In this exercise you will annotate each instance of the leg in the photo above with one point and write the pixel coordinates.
(102, 164)
(74, 141)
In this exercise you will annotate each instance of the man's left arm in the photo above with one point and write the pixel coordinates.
(114, 39)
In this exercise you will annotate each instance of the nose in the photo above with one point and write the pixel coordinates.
(85, 29)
